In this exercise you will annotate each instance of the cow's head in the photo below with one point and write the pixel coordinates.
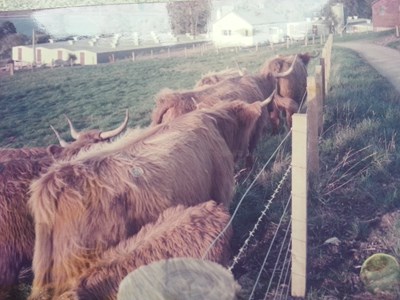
(171, 105)
(238, 128)
(280, 66)
(83, 140)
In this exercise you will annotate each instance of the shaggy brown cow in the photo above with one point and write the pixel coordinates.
(172, 104)
(83, 207)
(16, 223)
(290, 87)
(178, 232)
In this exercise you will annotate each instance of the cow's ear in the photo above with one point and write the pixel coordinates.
(54, 150)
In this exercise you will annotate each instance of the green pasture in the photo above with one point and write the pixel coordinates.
(359, 148)
(97, 96)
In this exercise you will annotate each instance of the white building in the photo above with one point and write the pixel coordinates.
(248, 27)
(99, 50)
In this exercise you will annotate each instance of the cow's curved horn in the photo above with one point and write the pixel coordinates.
(74, 133)
(286, 73)
(112, 133)
(62, 142)
(269, 99)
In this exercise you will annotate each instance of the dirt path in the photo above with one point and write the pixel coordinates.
(384, 59)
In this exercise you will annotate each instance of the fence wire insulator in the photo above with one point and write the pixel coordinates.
(263, 213)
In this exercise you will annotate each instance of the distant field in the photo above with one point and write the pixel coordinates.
(96, 96)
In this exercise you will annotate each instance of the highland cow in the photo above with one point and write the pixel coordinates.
(178, 232)
(291, 89)
(86, 206)
(172, 104)
(16, 222)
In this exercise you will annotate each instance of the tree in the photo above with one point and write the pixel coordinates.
(7, 28)
(189, 16)
(360, 8)
(9, 41)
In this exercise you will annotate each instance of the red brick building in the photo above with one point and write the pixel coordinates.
(385, 14)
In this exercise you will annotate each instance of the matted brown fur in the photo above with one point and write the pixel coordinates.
(22, 153)
(16, 222)
(83, 207)
(178, 232)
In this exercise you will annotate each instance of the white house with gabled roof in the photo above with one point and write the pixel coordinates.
(248, 27)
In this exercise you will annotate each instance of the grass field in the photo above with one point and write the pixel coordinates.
(359, 154)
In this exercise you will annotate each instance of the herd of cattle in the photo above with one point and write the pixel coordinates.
(84, 214)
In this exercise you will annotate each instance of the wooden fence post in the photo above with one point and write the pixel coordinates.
(299, 205)
(323, 88)
(319, 81)
(324, 59)
(11, 68)
(313, 122)
(328, 53)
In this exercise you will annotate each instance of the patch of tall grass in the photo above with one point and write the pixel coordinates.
(360, 160)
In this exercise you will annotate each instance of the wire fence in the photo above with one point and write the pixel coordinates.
(277, 262)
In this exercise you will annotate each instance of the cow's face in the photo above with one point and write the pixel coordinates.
(247, 116)
(276, 65)
(84, 141)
